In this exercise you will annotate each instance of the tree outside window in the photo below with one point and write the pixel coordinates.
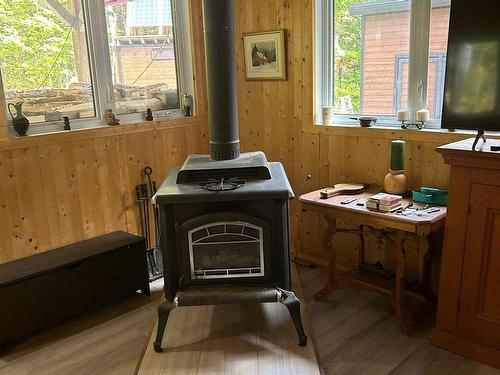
(45, 61)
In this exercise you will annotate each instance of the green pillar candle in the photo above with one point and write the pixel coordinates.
(398, 155)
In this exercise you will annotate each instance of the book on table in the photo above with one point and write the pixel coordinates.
(384, 202)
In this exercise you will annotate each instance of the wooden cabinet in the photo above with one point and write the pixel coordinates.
(468, 319)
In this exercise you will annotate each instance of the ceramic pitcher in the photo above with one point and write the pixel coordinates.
(19, 120)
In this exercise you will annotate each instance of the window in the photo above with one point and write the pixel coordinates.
(438, 43)
(141, 41)
(44, 59)
(378, 56)
(77, 58)
(435, 87)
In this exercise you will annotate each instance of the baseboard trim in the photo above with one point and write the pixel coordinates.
(465, 347)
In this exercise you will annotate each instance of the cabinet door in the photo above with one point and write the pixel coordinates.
(479, 314)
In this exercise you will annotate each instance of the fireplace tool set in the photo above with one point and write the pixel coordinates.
(144, 193)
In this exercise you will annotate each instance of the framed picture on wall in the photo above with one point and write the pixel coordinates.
(265, 55)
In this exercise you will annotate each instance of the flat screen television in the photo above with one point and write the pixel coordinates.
(472, 83)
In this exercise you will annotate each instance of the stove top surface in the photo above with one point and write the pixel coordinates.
(198, 168)
(277, 187)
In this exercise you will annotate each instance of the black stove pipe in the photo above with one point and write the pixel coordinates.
(221, 79)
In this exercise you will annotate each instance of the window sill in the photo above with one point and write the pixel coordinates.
(431, 135)
(98, 131)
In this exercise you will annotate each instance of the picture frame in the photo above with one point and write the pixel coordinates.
(265, 57)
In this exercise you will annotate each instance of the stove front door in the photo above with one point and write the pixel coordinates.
(224, 246)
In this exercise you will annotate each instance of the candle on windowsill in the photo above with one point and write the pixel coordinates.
(423, 115)
(398, 155)
(403, 115)
(327, 115)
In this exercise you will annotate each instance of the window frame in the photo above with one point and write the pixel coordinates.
(439, 60)
(419, 52)
(94, 15)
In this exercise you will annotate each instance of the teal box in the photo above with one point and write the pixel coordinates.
(431, 196)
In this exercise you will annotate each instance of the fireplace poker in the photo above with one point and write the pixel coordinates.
(155, 216)
(141, 200)
(148, 171)
(140, 204)
(144, 197)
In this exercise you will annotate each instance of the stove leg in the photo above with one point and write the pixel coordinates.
(146, 290)
(163, 312)
(292, 303)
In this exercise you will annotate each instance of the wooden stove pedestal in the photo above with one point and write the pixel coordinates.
(201, 295)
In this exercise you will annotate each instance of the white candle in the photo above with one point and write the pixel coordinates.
(423, 115)
(403, 115)
(327, 115)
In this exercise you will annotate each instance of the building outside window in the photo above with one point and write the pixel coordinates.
(141, 39)
(77, 58)
(373, 44)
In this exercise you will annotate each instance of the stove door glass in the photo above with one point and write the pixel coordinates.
(226, 249)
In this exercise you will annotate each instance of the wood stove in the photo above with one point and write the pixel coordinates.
(224, 217)
(225, 242)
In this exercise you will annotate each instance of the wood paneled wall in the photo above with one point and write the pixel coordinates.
(58, 193)
(61, 188)
(277, 117)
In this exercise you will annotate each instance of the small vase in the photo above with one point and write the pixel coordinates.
(19, 121)
(187, 104)
(396, 182)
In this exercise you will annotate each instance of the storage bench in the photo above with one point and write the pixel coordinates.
(47, 288)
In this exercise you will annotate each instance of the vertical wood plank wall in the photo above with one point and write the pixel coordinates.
(277, 117)
(58, 193)
(61, 188)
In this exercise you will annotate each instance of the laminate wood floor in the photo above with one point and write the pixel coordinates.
(356, 333)
(107, 341)
(243, 339)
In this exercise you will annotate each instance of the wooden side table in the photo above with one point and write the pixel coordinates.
(394, 227)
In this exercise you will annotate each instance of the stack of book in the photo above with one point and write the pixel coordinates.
(384, 202)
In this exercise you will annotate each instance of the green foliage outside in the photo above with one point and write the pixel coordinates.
(31, 38)
(348, 32)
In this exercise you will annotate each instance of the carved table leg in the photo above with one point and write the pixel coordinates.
(423, 250)
(163, 312)
(400, 280)
(331, 284)
(361, 255)
(434, 241)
